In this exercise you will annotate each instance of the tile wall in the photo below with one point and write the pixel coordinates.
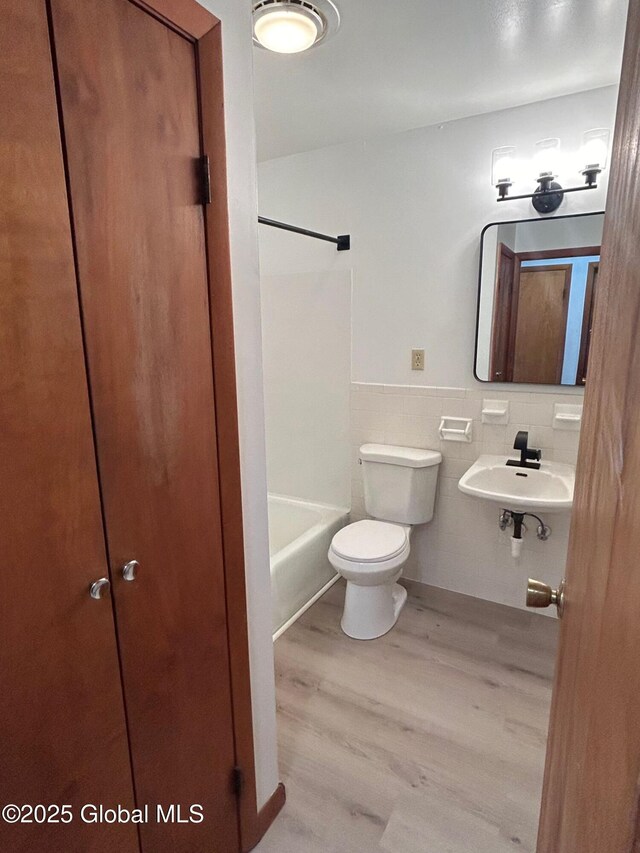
(463, 548)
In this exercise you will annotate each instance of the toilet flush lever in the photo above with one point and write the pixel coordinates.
(542, 595)
(129, 570)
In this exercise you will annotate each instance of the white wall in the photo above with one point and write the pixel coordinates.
(415, 204)
(241, 159)
(566, 233)
(307, 374)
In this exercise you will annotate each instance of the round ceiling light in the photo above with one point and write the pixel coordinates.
(292, 26)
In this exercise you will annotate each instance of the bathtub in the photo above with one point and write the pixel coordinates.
(299, 537)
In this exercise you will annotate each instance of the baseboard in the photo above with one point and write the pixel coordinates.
(266, 816)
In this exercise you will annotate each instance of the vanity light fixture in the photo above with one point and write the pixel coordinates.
(549, 195)
(293, 26)
(502, 169)
(594, 153)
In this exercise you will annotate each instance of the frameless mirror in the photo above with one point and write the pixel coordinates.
(537, 284)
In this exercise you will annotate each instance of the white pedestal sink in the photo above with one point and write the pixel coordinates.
(534, 490)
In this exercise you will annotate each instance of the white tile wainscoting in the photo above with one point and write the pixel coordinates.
(463, 549)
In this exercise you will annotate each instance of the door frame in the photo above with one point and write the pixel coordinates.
(204, 31)
(501, 320)
(587, 322)
(554, 254)
(515, 305)
(507, 322)
(548, 255)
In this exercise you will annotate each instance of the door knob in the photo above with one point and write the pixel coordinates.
(130, 569)
(542, 595)
(99, 588)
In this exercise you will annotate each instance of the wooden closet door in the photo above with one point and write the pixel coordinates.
(62, 728)
(130, 108)
(542, 303)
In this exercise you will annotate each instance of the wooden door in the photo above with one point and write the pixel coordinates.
(62, 728)
(129, 100)
(587, 322)
(591, 793)
(542, 302)
(502, 310)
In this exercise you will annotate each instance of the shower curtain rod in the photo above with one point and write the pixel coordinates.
(343, 242)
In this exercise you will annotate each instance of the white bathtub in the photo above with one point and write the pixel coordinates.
(299, 537)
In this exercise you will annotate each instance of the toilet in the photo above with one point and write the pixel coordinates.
(399, 492)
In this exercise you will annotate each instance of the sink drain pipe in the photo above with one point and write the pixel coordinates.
(509, 517)
(516, 538)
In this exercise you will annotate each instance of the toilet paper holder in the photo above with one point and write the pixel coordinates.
(456, 429)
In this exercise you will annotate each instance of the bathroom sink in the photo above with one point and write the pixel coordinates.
(546, 489)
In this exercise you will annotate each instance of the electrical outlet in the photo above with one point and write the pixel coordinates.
(417, 359)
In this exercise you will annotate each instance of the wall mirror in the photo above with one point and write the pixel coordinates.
(538, 279)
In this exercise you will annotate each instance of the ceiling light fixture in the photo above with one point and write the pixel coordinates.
(293, 26)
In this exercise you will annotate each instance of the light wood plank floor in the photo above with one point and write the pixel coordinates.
(428, 740)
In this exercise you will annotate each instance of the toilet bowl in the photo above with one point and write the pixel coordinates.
(369, 555)
(399, 489)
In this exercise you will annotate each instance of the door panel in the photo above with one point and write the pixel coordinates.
(587, 322)
(62, 728)
(502, 309)
(590, 799)
(541, 323)
(129, 102)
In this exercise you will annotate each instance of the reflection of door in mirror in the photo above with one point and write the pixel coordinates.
(587, 322)
(538, 331)
(502, 308)
(541, 301)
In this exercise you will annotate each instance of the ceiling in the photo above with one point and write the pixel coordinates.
(401, 64)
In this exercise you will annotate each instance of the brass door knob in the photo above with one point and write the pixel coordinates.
(542, 595)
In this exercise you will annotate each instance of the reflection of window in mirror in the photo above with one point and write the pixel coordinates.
(538, 281)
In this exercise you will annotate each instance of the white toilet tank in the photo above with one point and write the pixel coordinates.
(399, 482)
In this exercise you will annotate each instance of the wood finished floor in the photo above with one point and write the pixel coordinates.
(428, 740)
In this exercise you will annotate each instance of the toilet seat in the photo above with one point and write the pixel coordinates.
(370, 541)
(377, 551)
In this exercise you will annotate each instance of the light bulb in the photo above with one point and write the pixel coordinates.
(502, 166)
(595, 149)
(547, 157)
(286, 31)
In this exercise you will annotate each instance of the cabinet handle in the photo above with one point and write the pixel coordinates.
(99, 588)
(130, 569)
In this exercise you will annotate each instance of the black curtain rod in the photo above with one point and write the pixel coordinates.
(343, 242)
